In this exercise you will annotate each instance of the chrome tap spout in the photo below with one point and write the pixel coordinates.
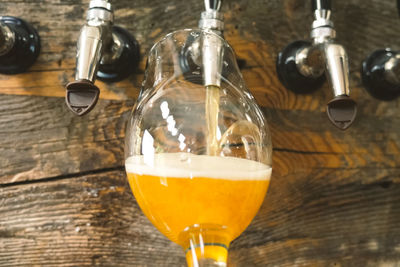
(104, 51)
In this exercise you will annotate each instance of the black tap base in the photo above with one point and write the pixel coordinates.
(374, 78)
(289, 74)
(126, 63)
(26, 47)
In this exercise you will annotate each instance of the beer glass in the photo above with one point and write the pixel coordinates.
(198, 158)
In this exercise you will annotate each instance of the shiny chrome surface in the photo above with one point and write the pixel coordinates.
(114, 51)
(322, 14)
(331, 54)
(100, 4)
(89, 47)
(321, 35)
(211, 18)
(212, 46)
(7, 39)
(94, 40)
(392, 69)
(337, 67)
(309, 62)
(212, 5)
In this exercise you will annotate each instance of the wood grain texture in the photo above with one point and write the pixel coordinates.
(40, 138)
(334, 196)
(90, 220)
(257, 31)
(93, 220)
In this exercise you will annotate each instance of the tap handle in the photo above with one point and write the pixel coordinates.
(342, 111)
(106, 52)
(321, 4)
(82, 96)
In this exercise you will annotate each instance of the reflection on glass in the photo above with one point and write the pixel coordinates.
(198, 156)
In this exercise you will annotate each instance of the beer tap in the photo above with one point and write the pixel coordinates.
(207, 113)
(107, 52)
(301, 66)
(212, 20)
(210, 47)
(19, 45)
(380, 72)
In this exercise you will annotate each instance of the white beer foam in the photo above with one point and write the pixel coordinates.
(186, 165)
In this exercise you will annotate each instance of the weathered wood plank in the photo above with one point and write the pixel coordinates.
(327, 218)
(336, 219)
(91, 220)
(256, 30)
(40, 138)
(334, 195)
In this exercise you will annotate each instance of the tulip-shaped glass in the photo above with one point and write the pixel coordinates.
(198, 158)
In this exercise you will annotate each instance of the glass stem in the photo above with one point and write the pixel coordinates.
(205, 245)
(201, 254)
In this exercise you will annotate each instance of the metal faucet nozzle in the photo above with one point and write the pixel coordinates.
(100, 44)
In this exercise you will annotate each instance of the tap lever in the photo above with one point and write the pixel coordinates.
(82, 96)
(342, 111)
(300, 66)
(104, 51)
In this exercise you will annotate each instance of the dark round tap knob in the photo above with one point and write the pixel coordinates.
(288, 70)
(25, 49)
(380, 74)
(126, 61)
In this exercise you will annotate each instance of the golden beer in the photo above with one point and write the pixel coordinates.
(184, 194)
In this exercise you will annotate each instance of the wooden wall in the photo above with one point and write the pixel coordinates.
(334, 199)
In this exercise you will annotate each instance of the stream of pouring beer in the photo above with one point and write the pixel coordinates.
(212, 109)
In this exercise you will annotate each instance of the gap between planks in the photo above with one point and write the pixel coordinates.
(64, 176)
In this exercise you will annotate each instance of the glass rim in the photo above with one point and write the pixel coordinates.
(156, 44)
